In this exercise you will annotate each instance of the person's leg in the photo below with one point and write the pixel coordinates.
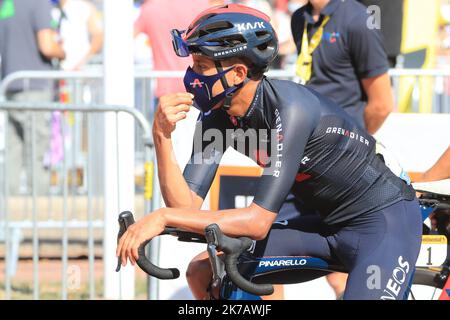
(278, 293)
(199, 275)
(22, 122)
(292, 209)
(303, 235)
(388, 247)
(337, 281)
(42, 127)
(43, 134)
(15, 152)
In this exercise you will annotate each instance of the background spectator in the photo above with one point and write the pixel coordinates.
(27, 42)
(349, 64)
(81, 30)
(156, 19)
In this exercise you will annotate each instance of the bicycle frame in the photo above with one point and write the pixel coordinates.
(261, 267)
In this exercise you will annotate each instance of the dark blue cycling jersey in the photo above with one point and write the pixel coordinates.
(307, 145)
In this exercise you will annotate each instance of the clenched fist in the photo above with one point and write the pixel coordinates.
(171, 109)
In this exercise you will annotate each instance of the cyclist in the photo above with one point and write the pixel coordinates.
(368, 219)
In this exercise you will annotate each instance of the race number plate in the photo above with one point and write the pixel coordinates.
(433, 251)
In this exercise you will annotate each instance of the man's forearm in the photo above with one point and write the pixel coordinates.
(96, 44)
(380, 101)
(233, 222)
(253, 221)
(374, 117)
(48, 46)
(174, 189)
(96, 47)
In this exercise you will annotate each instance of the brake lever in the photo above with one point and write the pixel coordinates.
(213, 257)
(233, 247)
(126, 219)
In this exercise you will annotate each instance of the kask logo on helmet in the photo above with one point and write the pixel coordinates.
(249, 25)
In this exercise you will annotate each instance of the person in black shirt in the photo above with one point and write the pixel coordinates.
(349, 63)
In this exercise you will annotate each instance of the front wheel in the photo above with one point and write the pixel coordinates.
(427, 284)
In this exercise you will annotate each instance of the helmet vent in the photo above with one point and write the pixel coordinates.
(261, 34)
(262, 46)
(218, 26)
(232, 40)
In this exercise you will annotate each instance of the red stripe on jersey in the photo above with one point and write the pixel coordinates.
(302, 177)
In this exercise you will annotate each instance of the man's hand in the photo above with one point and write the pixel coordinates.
(171, 109)
(145, 229)
(49, 46)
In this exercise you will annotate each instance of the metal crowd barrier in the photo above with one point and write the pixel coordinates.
(145, 84)
(31, 218)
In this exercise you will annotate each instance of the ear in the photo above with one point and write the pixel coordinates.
(240, 73)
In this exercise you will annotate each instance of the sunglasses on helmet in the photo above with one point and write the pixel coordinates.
(180, 46)
(183, 48)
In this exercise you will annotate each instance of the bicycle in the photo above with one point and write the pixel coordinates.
(241, 276)
(435, 199)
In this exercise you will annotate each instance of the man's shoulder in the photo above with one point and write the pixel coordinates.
(353, 6)
(287, 88)
(19, 13)
(34, 4)
(355, 14)
(292, 97)
(290, 94)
